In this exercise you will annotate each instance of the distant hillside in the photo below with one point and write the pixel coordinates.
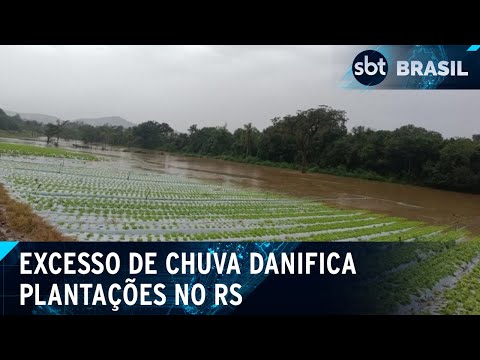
(45, 119)
(42, 118)
(111, 120)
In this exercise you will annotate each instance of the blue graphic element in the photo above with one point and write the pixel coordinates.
(425, 53)
(424, 67)
(248, 283)
(317, 293)
(6, 247)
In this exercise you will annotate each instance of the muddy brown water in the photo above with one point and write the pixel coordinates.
(439, 207)
(459, 210)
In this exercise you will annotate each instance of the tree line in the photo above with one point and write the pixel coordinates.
(315, 140)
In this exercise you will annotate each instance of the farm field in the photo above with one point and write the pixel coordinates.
(92, 200)
(97, 201)
(29, 150)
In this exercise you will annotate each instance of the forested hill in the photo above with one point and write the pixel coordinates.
(16, 124)
(312, 140)
(110, 120)
(46, 119)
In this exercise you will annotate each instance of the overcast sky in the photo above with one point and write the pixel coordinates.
(214, 85)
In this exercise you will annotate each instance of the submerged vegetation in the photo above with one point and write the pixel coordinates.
(315, 140)
(90, 201)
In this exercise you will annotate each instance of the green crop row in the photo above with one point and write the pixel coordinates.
(294, 230)
(402, 254)
(362, 234)
(399, 287)
(31, 150)
(342, 233)
(415, 234)
(464, 297)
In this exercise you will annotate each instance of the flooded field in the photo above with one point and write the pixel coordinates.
(150, 196)
(437, 207)
(106, 200)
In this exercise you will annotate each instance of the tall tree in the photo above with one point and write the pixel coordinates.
(192, 129)
(152, 135)
(50, 131)
(409, 148)
(248, 134)
(308, 124)
(59, 127)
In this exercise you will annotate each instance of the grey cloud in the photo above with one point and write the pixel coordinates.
(213, 85)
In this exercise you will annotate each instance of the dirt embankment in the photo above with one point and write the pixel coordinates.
(19, 222)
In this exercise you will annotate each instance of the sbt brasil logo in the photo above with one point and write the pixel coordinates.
(370, 68)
